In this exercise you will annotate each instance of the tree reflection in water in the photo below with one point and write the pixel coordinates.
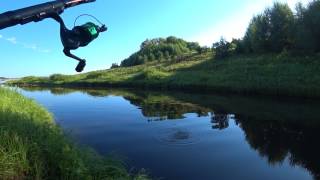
(277, 130)
(276, 141)
(220, 121)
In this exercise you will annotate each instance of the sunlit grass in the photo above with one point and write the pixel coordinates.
(32, 146)
(272, 74)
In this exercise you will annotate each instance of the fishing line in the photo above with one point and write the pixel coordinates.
(75, 21)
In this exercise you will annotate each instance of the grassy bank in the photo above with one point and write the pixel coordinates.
(281, 75)
(33, 147)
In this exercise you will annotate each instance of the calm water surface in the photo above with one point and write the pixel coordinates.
(193, 136)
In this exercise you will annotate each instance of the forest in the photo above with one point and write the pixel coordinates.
(278, 29)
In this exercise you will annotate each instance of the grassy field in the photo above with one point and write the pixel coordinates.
(280, 75)
(32, 146)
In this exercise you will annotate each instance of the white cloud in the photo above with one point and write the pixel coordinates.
(236, 25)
(30, 46)
(34, 47)
(12, 40)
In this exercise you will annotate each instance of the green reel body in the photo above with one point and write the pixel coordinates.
(87, 33)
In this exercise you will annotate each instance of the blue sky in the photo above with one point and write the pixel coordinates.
(35, 48)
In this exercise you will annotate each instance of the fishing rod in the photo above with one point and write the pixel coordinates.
(79, 36)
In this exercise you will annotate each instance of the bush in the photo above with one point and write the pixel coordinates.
(161, 48)
(114, 65)
(224, 49)
(57, 77)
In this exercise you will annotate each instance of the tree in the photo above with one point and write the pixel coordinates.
(167, 55)
(238, 44)
(194, 46)
(159, 55)
(145, 58)
(160, 48)
(271, 31)
(223, 49)
(307, 27)
(257, 37)
(144, 44)
(303, 41)
(281, 27)
(114, 65)
(205, 49)
(152, 57)
(311, 19)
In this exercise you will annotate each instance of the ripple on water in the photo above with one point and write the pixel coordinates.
(176, 137)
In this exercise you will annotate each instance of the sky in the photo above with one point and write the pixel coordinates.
(36, 49)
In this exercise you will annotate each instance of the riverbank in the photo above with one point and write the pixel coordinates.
(276, 75)
(32, 146)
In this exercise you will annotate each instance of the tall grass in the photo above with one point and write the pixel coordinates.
(33, 147)
(272, 74)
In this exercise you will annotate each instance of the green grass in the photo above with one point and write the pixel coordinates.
(32, 146)
(281, 75)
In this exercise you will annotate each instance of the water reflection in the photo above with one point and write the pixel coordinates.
(276, 129)
(278, 140)
(220, 121)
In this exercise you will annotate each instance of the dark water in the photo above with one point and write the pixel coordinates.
(193, 136)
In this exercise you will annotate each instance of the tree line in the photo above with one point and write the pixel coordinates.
(278, 29)
(161, 49)
(275, 30)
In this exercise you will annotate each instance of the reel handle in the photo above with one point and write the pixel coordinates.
(103, 28)
(81, 66)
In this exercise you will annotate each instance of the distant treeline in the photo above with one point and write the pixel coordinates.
(162, 48)
(278, 29)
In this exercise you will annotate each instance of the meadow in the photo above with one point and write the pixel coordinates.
(270, 74)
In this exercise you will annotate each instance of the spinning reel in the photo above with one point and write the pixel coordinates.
(79, 36)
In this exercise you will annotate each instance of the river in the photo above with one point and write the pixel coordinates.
(192, 136)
